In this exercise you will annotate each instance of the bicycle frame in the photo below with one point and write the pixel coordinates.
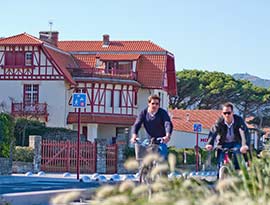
(223, 170)
(148, 148)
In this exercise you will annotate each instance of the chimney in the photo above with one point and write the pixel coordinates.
(187, 117)
(106, 40)
(49, 36)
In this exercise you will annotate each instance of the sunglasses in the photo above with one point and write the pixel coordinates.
(227, 113)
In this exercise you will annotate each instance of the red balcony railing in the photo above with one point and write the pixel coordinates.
(101, 72)
(35, 110)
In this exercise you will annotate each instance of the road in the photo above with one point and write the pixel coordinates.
(20, 190)
(29, 186)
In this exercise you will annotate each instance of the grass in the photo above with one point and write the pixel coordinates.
(250, 186)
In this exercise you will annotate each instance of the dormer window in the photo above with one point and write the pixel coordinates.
(120, 67)
(18, 58)
(28, 58)
(14, 58)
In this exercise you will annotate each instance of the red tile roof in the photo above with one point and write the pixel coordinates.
(151, 69)
(62, 61)
(151, 58)
(118, 56)
(101, 119)
(85, 61)
(20, 39)
(183, 120)
(113, 46)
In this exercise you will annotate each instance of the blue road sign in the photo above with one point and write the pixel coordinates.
(79, 100)
(197, 127)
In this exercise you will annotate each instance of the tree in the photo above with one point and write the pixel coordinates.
(253, 101)
(208, 90)
(203, 89)
(25, 127)
(6, 134)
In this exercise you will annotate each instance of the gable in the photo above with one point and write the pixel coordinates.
(63, 61)
(21, 39)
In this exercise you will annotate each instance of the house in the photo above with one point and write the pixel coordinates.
(184, 135)
(39, 75)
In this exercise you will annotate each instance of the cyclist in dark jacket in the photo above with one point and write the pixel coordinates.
(227, 131)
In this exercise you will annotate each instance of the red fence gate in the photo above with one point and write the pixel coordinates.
(111, 159)
(61, 156)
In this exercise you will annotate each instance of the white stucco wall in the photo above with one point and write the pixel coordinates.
(10, 90)
(106, 131)
(54, 94)
(51, 92)
(143, 95)
(187, 139)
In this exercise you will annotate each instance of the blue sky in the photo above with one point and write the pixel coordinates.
(227, 35)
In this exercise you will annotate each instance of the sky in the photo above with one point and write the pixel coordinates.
(230, 36)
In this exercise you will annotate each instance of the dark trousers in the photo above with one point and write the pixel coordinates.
(235, 154)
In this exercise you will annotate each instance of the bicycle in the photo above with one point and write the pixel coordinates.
(148, 153)
(224, 168)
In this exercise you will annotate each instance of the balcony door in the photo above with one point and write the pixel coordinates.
(30, 96)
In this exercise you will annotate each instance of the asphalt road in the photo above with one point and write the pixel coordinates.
(25, 190)
(29, 186)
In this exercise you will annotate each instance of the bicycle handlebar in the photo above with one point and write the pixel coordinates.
(225, 149)
(153, 140)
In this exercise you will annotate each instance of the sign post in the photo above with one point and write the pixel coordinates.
(197, 128)
(78, 101)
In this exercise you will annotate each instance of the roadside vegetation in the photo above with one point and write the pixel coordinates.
(247, 186)
(7, 139)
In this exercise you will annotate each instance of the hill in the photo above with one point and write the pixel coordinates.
(254, 79)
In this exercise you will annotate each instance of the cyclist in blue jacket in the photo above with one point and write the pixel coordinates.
(156, 122)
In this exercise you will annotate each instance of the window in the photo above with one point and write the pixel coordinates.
(28, 58)
(31, 93)
(14, 58)
(122, 131)
(125, 65)
(119, 67)
(84, 131)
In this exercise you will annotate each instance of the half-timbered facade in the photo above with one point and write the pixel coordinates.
(39, 75)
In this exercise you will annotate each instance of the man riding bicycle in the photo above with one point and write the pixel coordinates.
(229, 128)
(156, 122)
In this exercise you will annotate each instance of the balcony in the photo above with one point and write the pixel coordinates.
(101, 72)
(38, 110)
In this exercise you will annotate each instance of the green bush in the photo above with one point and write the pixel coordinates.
(6, 134)
(129, 152)
(179, 153)
(191, 155)
(23, 154)
(25, 127)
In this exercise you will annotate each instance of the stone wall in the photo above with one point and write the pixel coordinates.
(121, 146)
(22, 167)
(35, 143)
(6, 166)
(101, 155)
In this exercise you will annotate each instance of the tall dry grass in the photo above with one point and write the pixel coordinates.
(249, 186)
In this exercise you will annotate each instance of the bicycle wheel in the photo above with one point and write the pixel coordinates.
(144, 176)
(223, 172)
